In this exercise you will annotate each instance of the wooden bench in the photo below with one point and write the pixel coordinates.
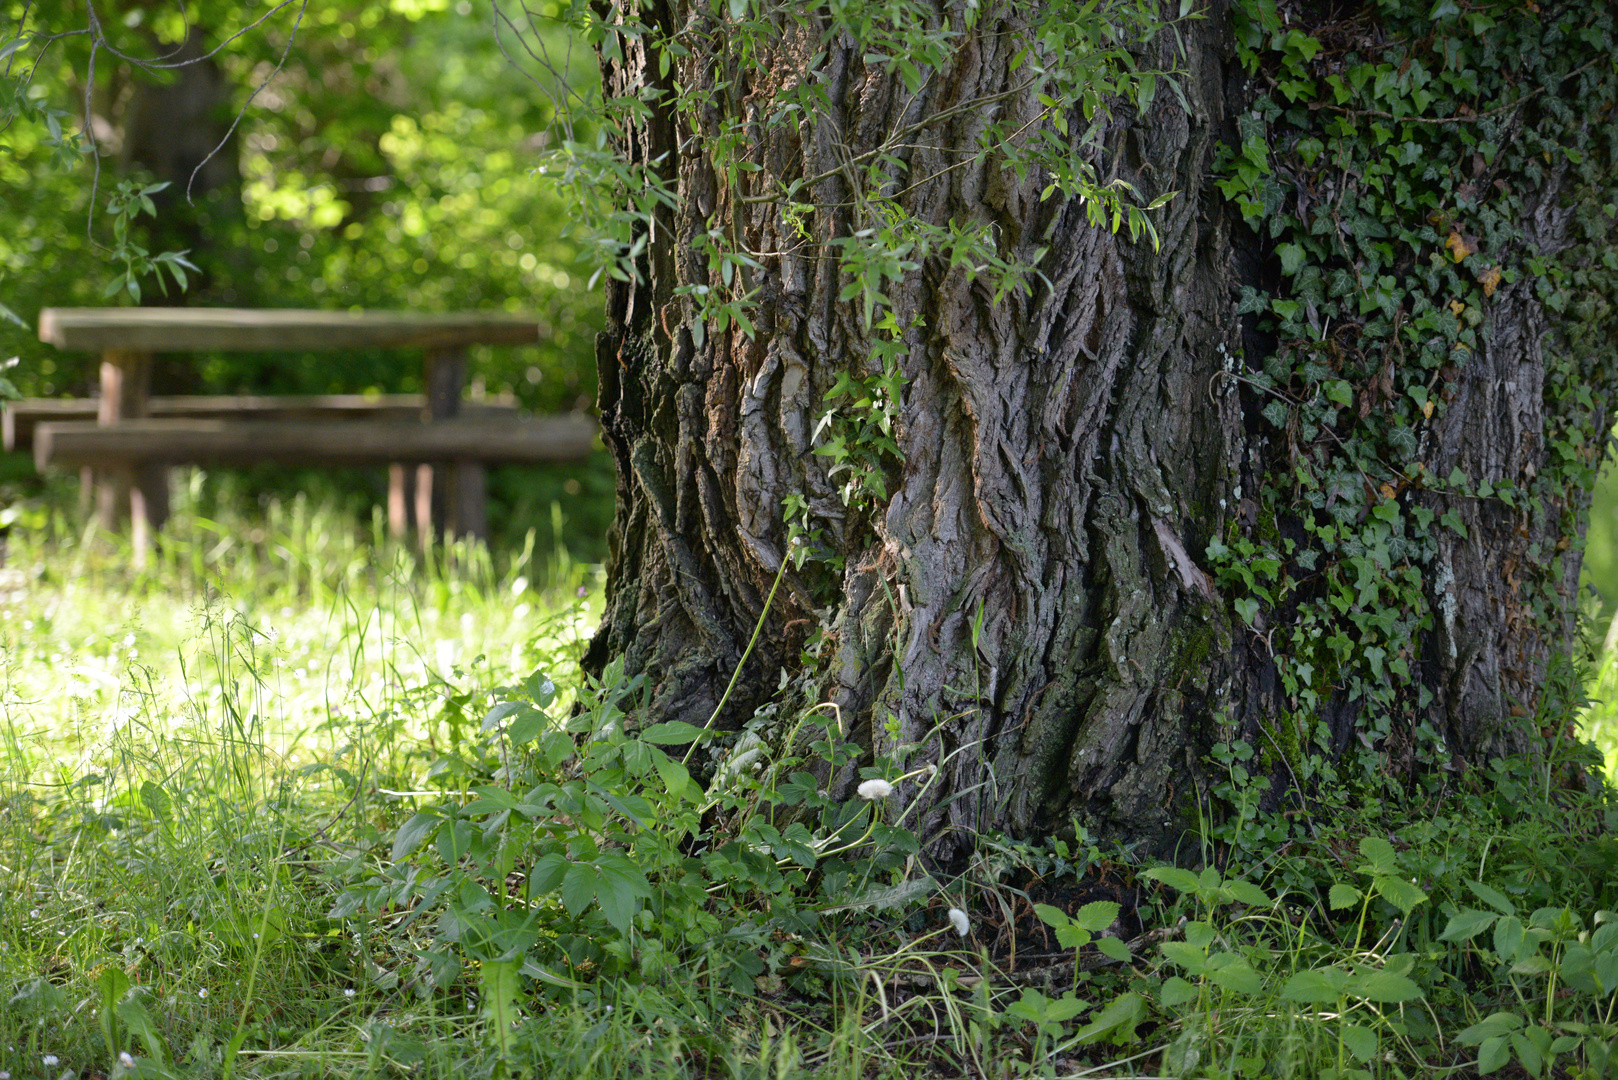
(20, 418)
(129, 444)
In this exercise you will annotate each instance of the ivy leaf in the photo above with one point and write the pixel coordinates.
(1459, 247)
(1292, 258)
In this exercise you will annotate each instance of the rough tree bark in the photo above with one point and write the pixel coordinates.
(1067, 455)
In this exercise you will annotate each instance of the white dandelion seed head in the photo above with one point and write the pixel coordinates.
(874, 789)
(958, 919)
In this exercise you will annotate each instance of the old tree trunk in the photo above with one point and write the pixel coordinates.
(1300, 489)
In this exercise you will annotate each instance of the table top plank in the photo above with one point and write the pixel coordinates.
(283, 330)
(220, 442)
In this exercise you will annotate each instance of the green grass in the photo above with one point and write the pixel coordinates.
(297, 803)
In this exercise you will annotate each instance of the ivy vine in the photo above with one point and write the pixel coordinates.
(1387, 168)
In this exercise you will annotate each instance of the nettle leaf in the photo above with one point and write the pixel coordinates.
(1097, 916)
(1379, 853)
(1239, 976)
(1322, 986)
(1383, 987)
(1176, 991)
(1361, 1041)
(1402, 894)
(1343, 896)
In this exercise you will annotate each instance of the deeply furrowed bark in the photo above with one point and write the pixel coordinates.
(1031, 608)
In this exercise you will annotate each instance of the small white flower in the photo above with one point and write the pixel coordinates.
(203, 993)
(49, 1060)
(958, 919)
(875, 789)
(126, 1059)
(349, 992)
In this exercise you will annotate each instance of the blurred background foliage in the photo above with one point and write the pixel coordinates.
(339, 154)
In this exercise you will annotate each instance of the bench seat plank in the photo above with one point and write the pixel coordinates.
(323, 442)
(227, 329)
(20, 418)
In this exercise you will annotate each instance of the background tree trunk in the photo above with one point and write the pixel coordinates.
(1033, 606)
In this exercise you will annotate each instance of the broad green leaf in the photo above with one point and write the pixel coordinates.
(1116, 1021)
(1402, 894)
(1528, 1051)
(891, 896)
(497, 715)
(412, 833)
(1495, 1052)
(1378, 851)
(1321, 986)
(1175, 878)
(1344, 896)
(676, 778)
(139, 1022)
(1466, 925)
(673, 733)
(1176, 991)
(578, 888)
(1096, 917)
(156, 799)
(529, 725)
(1238, 976)
(546, 875)
(1248, 893)
(1491, 1026)
(1508, 938)
(1051, 915)
(1383, 987)
(1114, 949)
(1361, 1041)
(1493, 898)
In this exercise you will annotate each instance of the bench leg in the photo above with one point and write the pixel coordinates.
(466, 512)
(424, 506)
(139, 491)
(401, 500)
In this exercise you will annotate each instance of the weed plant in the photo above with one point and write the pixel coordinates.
(298, 802)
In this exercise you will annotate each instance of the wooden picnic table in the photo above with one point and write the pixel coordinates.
(127, 338)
